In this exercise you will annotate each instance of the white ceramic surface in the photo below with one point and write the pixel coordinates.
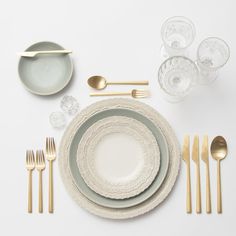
(118, 157)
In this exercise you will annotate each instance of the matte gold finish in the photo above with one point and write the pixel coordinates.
(134, 93)
(186, 158)
(205, 158)
(195, 157)
(219, 152)
(50, 156)
(40, 166)
(99, 82)
(35, 53)
(30, 165)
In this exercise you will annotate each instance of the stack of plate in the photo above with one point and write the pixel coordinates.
(119, 158)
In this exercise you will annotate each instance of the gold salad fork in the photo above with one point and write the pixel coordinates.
(133, 93)
(40, 166)
(30, 165)
(50, 156)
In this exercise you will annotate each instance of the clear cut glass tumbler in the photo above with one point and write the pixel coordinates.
(177, 34)
(212, 54)
(177, 76)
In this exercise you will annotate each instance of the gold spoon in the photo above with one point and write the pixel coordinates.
(219, 152)
(99, 82)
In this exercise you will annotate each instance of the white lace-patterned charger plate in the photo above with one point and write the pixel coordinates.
(118, 157)
(154, 120)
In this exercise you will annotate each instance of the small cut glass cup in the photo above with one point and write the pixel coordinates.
(176, 77)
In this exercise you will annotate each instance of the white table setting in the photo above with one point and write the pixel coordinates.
(118, 117)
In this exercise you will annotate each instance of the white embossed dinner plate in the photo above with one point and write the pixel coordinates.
(155, 120)
(118, 157)
(79, 181)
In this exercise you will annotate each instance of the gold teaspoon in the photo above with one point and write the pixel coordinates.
(219, 152)
(99, 82)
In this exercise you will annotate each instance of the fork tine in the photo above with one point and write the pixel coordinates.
(32, 157)
(47, 145)
(51, 152)
(42, 158)
(27, 157)
(53, 146)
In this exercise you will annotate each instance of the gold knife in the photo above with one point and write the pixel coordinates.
(205, 158)
(186, 158)
(195, 158)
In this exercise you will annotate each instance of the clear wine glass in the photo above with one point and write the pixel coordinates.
(212, 54)
(177, 34)
(177, 76)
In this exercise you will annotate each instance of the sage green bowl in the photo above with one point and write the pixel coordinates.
(45, 74)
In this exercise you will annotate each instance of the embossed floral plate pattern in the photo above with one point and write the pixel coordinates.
(120, 170)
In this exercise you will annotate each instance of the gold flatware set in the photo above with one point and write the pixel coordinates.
(39, 164)
(218, 151)
(99, 83)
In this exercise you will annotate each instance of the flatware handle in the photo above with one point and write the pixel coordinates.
(30, 192)
(50, 207)
(111, 94)
(53, 51)
(198, 193)
(219, 193)
(208, 191)
(188, 200)
(40, 192)
(144, 82)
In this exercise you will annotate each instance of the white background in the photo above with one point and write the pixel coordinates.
(119, 40)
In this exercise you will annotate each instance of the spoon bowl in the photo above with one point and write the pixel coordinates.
(97, 82)
(219, 148)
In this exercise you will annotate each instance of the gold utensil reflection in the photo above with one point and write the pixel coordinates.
(30, 165)
(99, 82)
(219, 152)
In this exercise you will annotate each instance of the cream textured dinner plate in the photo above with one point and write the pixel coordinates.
(156, 120)
(118, 157)
(45, 74)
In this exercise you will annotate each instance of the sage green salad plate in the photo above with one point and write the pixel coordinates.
(109, 202)
(45, 74)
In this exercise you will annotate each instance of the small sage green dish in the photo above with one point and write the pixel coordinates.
(45, 74)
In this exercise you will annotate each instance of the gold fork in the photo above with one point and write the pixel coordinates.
(30, 165)
(50, 156)
(133, 93)
(40, 166)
